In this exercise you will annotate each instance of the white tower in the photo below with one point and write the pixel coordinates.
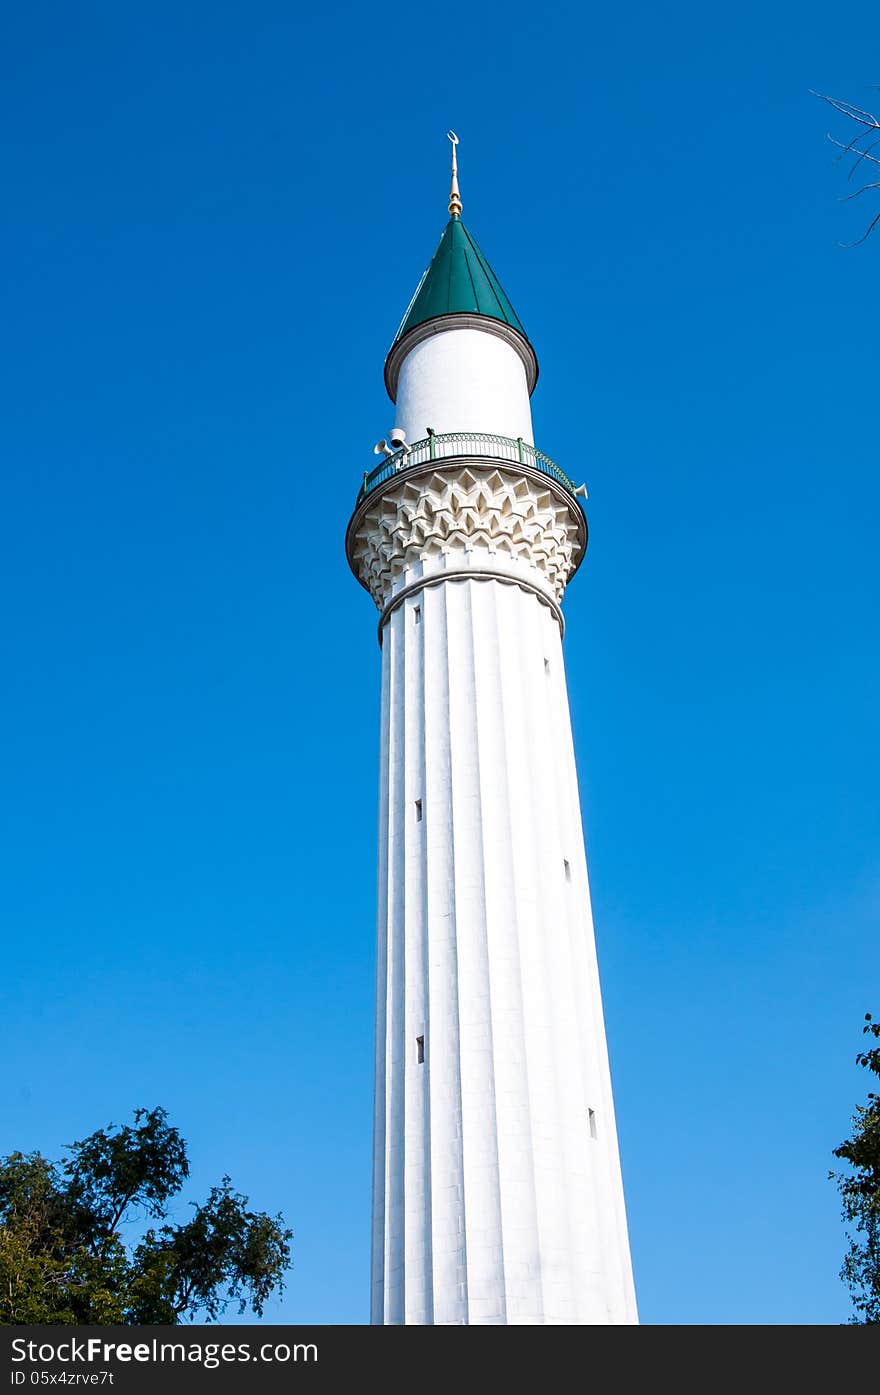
(497, 1195)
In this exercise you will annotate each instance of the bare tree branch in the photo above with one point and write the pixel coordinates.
(870, 125)
(865, 235)
(855, 113)
(863, 155)
(845, 198)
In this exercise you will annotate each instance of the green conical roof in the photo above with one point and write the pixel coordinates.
(459, 281)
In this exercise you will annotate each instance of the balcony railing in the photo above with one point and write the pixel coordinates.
(458, 443)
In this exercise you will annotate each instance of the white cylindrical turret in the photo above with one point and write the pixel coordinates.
(464, 380)
(497, 1191)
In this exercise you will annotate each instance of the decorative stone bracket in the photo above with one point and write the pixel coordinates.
(461, 506)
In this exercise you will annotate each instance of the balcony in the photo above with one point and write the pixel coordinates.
(454, 444)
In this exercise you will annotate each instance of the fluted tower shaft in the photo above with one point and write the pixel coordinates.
(497, 1193)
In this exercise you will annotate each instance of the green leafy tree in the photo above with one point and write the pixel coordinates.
(860, 1191)
(62, 1259)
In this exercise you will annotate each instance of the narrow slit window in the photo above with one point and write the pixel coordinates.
(567, 865)
(417, 615)
(547, 666)
(418, 811)
(591, 1117)
(420, 1052)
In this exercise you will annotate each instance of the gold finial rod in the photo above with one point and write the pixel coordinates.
(454, 195)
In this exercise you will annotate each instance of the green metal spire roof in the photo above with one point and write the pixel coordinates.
(459, 281)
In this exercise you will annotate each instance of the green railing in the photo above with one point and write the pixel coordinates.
(458, 443)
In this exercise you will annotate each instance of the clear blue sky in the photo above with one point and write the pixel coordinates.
(214, 216)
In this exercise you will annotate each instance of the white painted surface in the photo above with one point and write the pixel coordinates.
(463, 380)
(492, 1202)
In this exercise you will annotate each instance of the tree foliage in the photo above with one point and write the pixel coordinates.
(860, 1192)
(63, 1260)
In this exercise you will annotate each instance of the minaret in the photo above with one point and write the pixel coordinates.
(497, 1195)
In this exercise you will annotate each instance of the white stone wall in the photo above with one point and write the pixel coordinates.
(463, 380)
(492, 1202)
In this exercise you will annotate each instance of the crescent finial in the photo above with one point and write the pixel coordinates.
(454, 195)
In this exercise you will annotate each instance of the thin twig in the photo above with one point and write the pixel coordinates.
(845, 198)
(870, 124)
(865, 155)
(848, 149)
(865, 118)
(865, 235)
